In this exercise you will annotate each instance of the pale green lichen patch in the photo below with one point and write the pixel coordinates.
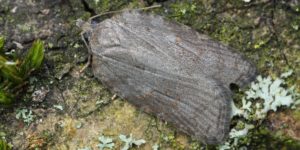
(264, 95)
(25, 115)
(269, 38)
(118, 117)
(84, 108)
(130, 141)
(271, 92)
(105, 142)
(264, 31)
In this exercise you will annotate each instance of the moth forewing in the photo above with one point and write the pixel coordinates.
(170, 70)
(196, 51)
(199, 111)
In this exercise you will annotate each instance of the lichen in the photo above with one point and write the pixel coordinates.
(271, 92)
(25, 115)
(264, 95)
(105, 142)
(130, 141)
(264, 31)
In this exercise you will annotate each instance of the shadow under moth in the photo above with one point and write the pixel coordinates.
(169, 70)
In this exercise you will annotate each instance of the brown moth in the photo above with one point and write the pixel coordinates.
(169, 70)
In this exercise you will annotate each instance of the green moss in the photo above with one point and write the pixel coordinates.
(230, 22)
(183, 11)
(101, 6)
(274, 49)
(4, 145)
(41, 140)
(243, 30)
(14, 72)
(264, 139)
(296, 114)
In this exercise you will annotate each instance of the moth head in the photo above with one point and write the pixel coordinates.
(85, 26)
(79, 23)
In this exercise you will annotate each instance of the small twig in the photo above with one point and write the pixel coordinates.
(119, 11)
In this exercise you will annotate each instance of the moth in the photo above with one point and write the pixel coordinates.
(169, 70)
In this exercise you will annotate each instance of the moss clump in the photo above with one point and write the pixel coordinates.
(266, 32)
(14, 72)
(262, 138)
(4, 145)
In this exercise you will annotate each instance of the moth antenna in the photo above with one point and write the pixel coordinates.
(119, 11)
(85, 27)
(84, 40)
